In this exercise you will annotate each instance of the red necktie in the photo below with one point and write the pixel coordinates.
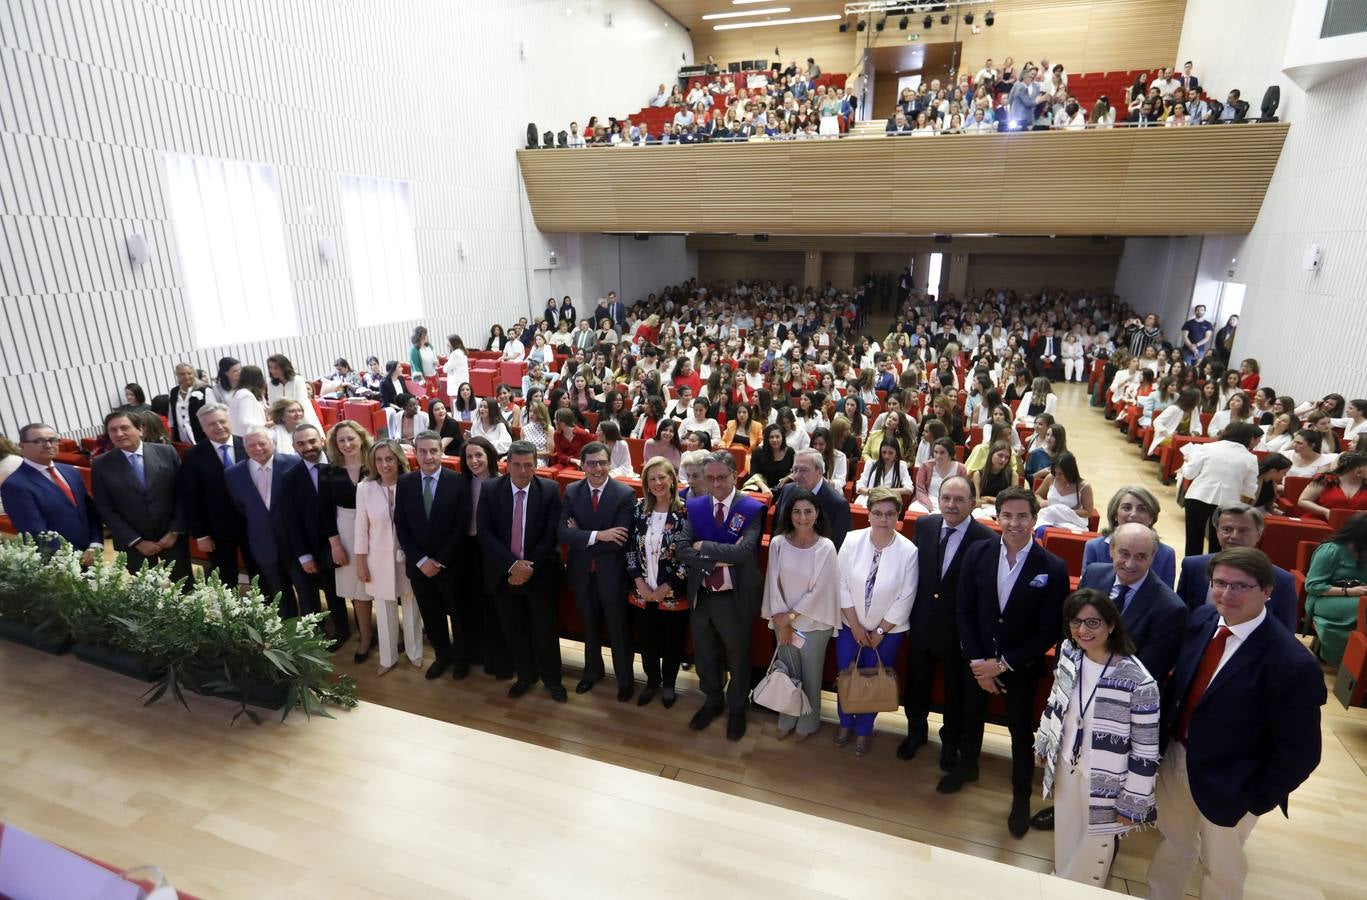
(1205, 672)
(58, 480)
(715, 580)
(596, 491)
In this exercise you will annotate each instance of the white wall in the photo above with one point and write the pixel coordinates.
(1240, 44)
(1157, 275)
(430, 91)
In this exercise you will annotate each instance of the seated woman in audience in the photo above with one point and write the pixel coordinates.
(1331, 405)
(538, 430)
(152, 428)
(615, 407)
(285, 416)
(1045, 447)
(808, 412)
(379, 565)
(497, 339)
(1222, 473)
(1280, 433)
(1019, 386)
(1335, 585)
(1229, 385)
(665, 443)
(1236, 409)
(1065, 498)
(489, 425)
(742, 431)
(932, 430)
(896, 429)
(247, 408)
(1074, 364)
(998, 431)
(696, 440)
(1089, 749)
(793, 435)
(464, 403)
(1356, 420)
(1132, 503)
(1180, 418)
(444, 425)
(1318, 421)
(1340, 489)
(771, 462)
(1038, 400)
(285, 384)
(408, 421)
(1157, 400)
(1272, 470)
(394, 384)
(1306, 459)
(932, 472)
(802, 603)
(650, 418)
(699, 421)
(995, 476)
(836, 464)
(887, 471)
(658, 583)
(1127, 372)
(619, 454)
(1249, 375)
(682, 407)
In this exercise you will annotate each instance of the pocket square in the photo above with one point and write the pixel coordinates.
(1039, 580)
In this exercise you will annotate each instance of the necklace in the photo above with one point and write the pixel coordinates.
(1082, 713)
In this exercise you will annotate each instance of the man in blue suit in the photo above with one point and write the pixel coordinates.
(1238, 526)
(1241, 729)
(1011, 593)
(46, 496)
(257, 488)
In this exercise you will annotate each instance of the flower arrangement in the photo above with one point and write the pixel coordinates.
(207, 637)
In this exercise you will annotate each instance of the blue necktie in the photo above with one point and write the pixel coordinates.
(135, 460)
(223, 455)
(1120, 596)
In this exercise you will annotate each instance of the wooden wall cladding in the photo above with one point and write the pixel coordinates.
(1115, 181)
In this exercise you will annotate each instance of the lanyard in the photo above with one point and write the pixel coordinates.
(1082, 713)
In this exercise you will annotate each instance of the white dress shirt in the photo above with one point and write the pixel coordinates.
(1007, 574)
(1222, 473)
(1239, 634)
(956, 538)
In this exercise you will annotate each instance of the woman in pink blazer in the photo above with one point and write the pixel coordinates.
(379, 560)
(932, 472)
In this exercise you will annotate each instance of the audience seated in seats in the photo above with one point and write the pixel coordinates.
(1334, 586)
(1137, 504)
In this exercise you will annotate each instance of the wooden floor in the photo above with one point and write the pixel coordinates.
(331, 808)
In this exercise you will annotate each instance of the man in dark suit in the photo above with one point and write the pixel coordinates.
(617, 312)
(256, 486)
(1044, 355)
(135, 492)
(1009, 608)
(185, 401)
(43, 495)
(594, 525)
(809, 474)
(431, 518)
(215, 524)
(942, 542)
(1238, 525)
(1240, 729)
(719, 545)
(313, 546)
(517, 523)
(944, 337)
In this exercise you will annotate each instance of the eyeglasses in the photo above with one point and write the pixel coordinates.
(48, 441)
(883, 513)
(1238, 587)
(595, 463)
(1091, 624)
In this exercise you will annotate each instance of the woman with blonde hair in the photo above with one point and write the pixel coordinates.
(348, 447)
(379, 560)
(658, 583)
(286, 415)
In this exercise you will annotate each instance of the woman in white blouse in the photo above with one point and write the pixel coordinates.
(247, 407)
(1279, 434)
(699, 421)
(793, 435)
(878, 575)
(1306, 459)
(380, 563)
(285, 415)
(457, 367)
(1356, 421)
(489, 424)
(1222, 473)
(285, 384)
(1038, 400)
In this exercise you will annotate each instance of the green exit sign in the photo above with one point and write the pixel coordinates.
(913, 37)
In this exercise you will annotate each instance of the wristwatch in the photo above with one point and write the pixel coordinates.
(880, 630)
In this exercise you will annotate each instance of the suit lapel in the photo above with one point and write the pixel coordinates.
(1033, 565)
(1247, 653)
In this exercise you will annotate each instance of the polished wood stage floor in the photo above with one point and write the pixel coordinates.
(444, 788)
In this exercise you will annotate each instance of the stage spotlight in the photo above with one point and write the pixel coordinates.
(990, 19)
(861, 26)
(882, 23)
(944, 20)
(844, 27)
(904, 23)
(927, 22)
(968, 18)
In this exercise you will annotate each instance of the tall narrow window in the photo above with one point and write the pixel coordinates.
(230, 238)
(937, 262)
(382, 249)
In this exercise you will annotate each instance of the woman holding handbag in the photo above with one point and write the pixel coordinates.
(658, 595)
(878, 575)
(801, 602)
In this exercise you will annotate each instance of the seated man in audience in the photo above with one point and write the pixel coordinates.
(898, 124)
(576, 140)
(809, 474)
(1234, 109)
(1238, 525)
(661, 97)
(43, 496)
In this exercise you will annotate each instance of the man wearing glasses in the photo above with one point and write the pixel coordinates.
(1237, 525)
(1240, 729)
(45, 496)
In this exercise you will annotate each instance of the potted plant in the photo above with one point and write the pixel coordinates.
(28, 608)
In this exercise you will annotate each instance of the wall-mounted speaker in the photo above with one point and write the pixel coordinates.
(136, 246)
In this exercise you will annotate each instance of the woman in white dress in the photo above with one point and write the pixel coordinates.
(380, 562)
(247, 406)
(1065, 499)
(1306, 459)
(1038, 400)
(285, 384)
(1280, 433)
(489, 424)
(285, 416)
(457, 367)
(348, 446)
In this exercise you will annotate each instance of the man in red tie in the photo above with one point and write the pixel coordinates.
(1241, 719)
(44, 496)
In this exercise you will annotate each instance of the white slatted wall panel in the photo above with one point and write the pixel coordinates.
(433, 91)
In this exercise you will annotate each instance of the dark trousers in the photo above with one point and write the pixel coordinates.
(1200, 527)
(223, 560)
(921, 666)
(308, 586)
(441, 622)
(528, 619)
(721, 624)
(601, 609)
(1020, 720)
(276, 580)
(178, 556)
(478, 616)
(660, 636)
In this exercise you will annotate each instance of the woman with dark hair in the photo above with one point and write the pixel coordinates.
(835, 465)
(490, 424)
(1222, 473)
(772, 461)
(247, 408)
(665, 443)
(1049, 441)
(442, 422)
(802, 604)
(888, 470)
(793, 434)
(285, 384)
(225, 382)
(422, 358)
(1340, 489)
(1180, 418)
(1304, 452)
(1334, 586)
(1272, 470)
(1098, 738)
(134, 398)
(615, 407)
(457, 367)
(568, 314)
(932, 473)
(994, 477)
(394, 383)
(497, 339)
(464, 403)
(1065, 499)
(479, 467)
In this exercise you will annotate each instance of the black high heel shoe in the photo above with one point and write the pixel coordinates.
(362, 655)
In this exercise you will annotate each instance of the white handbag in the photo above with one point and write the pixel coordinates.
(780, 691)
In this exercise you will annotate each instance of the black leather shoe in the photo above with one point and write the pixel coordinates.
(585, 685)
(338, 642)
(703, 717)
(624, 693)
(735, 726)
(668, 698)
(438, 668)
(558, 693)
(907, 749)
(949, 757)
(1043, 820)
(518, 689)
(361, 656)
(1018, 822)
(460, 672)
(647, 694)
(953, 782)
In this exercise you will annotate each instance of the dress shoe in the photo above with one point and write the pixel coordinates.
(1018, 822)
(802, 736)
(437, 669)
(1043, 820)
(361, 656)
(647, 695)
(624, 693)
(518, 689)
(783, 735)
(703, 717)
(385, 670)
(735, 726)
(668, 697)
(585, 685)
(953, 782)
(338, 642)
(460, 672)
(907, 749)
(558, 693)
(842, 736)
(949, 757)
(862, 744)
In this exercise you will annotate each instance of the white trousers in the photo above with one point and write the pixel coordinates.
(1078, 856)
(387, 617)
(1071, 367)
(1188, 835)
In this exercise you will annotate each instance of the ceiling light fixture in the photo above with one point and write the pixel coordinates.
(990, 19)
(904, 23)
(927, 22)
(800, 20)
(746, 2)
(862, 25)
(747, 12)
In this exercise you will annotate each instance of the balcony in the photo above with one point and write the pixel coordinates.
(1121, 181)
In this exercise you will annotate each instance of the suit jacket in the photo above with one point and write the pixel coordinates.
(438, 536)
(271, 533)
(209, 511)
(616, 504)
(539, 539)
(35, 505)
(1031, 622)
(834, 507)
(1155, 618)
(1194, 589)
(133, 512)
(195, 401)
(738, 545)
(1098, 550)
(306, 510)
(934, 626)
(1254, 736)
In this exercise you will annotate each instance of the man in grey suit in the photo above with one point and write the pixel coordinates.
(594, 524)
(809, 474)
(134, 486)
